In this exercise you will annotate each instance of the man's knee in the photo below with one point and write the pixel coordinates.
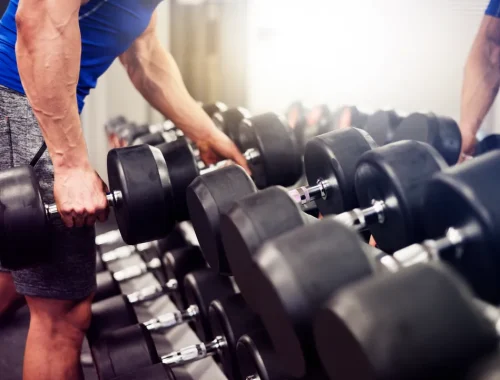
(69, 319)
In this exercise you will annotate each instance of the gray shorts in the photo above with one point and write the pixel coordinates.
(71, 275)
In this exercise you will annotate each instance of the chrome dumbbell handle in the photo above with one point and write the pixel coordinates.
(152, 292)
(113, 199)
(306, 194)
(194, 352)
(110, 237)
(169, 320)
(360, 219)
(138, 270)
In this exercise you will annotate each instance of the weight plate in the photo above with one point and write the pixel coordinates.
(207, 197)
(450, 139)
(465, 197)
(201, 288)
(396, 174)
(250, 222)
(279, 162)
(146, 209)
(182, 169)
(332, 157)
(24, 230)
(230, 318)
(110, 314)
(118, 352)
(419, 323)
(150, 139)
(156, 372)
(295, 274)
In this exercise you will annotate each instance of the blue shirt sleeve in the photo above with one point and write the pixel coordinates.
(493, 8)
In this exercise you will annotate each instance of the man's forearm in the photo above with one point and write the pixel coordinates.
(48, 53)
(156, 76)
(481, 78)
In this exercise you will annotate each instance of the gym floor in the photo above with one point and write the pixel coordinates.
(13, 332)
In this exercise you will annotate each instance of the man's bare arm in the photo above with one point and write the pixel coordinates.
(156, 76)
(481, 81)
(48, 51)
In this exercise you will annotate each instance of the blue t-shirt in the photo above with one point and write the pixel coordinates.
(107, 27)
(493, 8)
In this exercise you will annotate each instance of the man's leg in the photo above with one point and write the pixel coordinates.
(55, 338)
(10, 299)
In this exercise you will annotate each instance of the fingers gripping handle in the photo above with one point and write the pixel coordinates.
(113, 199)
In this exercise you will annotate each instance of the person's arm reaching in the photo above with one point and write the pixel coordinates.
(481, 81)
(156, 76)
(48, 53)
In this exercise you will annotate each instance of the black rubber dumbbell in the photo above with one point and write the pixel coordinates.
(425, 318)
(199, 289)
(460, 197)
(441, 132)
(487, 144)
(382, 125)
(182, 236)
(258, 361)
(172, 265)
(123, 350)
(228, 121)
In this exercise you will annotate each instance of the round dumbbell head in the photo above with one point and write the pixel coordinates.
(201, 287)
(396, 174)
(178, 263)
(107, 287)
(132, 131)
(24, 230)
(110, 314)
(182, 169)
(207, 197)
(229, 122)
(118, 352)
(420, 323)
(145, 211)
(252, 221)
(382, 125)
(295, 274)
(150, 139)
(279, 162)
(257, 358)
(212, 108)
(230, 318)
(489, 143)
(332, 157)
(440, 132)
(466, 198)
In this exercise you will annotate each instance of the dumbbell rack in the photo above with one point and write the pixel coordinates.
(174, 339)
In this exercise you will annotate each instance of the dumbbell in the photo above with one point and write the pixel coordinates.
(228, 121)
(420, 323)
(156, 372)
(173, 264)
(257, 359)
(439, 131)
(346, 259)
(120, 351)
(487, 368)
(212, 108)
(158, 134)
(487, 144)
(182, 236)
(350, 116)
(199, 289)
(382, 124)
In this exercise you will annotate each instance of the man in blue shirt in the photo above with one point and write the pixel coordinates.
(51, 54)
(481, 77)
